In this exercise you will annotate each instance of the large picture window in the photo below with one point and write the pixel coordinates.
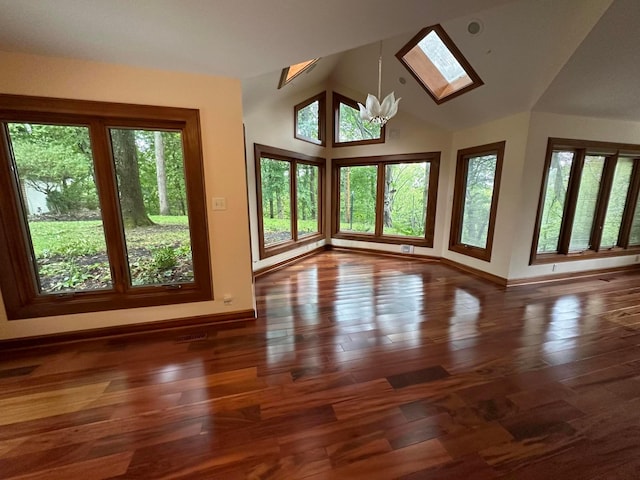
(290, 190)
(102, 207)
(475, 200)
(588, 203)
(390, 199)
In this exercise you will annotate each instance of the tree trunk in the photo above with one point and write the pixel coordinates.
(312, 193)
(128, 173)
(161, 175)
(388, 197)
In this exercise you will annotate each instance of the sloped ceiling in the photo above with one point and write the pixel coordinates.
(602, 79)
(566, 56)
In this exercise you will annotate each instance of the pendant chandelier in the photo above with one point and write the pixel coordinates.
(375, 111)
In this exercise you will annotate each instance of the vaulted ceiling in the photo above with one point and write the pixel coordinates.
(566, 56)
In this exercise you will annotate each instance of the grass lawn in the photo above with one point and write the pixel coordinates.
(87, 237)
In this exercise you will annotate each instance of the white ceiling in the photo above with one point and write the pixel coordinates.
(567, 56)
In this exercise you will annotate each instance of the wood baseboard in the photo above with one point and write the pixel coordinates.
(289, 261)
(218, 321)
(475, 272)
(382, 253)
(559, 277)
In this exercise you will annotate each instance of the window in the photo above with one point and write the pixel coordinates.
(475, 200)
(390, 199)
(349, 128)
(102, 207)
(290, 190)
(588, 203)
(310, 119)
(292, 71)
(437, 64)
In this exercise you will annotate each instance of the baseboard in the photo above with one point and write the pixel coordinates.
(219, 320)
(475, 272)
(382, 253)
(559, 277)
(289, 261)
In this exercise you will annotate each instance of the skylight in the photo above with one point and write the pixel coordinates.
(292, 71)
(438, 65)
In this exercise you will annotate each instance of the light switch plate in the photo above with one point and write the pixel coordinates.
(219, 203)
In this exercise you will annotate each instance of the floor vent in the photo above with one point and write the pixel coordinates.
(192, 337)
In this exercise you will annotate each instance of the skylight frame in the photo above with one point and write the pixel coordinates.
(438, 87)
(284, 76)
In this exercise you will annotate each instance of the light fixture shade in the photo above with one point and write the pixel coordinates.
(378, 113)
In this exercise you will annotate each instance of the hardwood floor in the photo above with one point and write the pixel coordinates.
(357, 367)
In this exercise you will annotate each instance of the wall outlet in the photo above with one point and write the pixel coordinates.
(227, 299)
(406, 248)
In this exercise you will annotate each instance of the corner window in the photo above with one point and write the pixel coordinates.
(349, 128)
(438, 65)
(475, 200)
(310, 119)
(390, 199)
(589, 201)
(290, 190)
(100, 211)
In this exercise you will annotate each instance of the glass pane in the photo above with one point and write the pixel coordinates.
(352, 128)
(55, 171)
(586, 203)
(153, 204)
(555, 194)
(477, 200)
(405, 199)
(434, 48)
(308, 122)
(634, 235)
(358, 199)
(307, 198)
(617, 201)
(276, 200)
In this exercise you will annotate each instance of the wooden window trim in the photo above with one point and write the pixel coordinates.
(582, 148)
(447, 90)
(321, 98)
(433, 158)
(337, 99)
(294, 158)
(455, 244)
(20, 293)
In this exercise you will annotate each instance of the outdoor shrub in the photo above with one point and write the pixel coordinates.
(164, 258)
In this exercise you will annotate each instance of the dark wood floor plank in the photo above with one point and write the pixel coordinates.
(357, 367)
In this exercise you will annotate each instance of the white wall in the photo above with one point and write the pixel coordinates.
(543, 126)
(513, 130)
(220, 105)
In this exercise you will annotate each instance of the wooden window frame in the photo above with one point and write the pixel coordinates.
(336, 100)
(433, 73)
(17, 280)
(582, 148)
(462, 165)
(294, 158)
(321, 98)
(433, 158)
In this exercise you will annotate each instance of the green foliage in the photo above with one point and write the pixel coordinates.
(353, 128)
(477, 201)
(276, 188)
(164, 258)
(307, 121)
(56, 160)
